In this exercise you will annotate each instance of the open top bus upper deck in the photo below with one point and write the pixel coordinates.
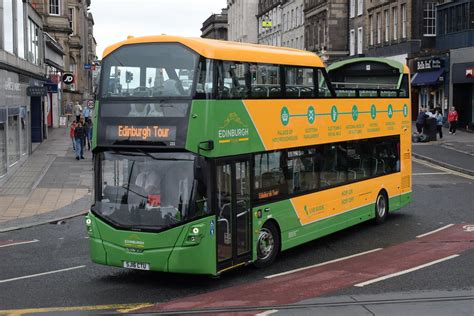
(218, 98)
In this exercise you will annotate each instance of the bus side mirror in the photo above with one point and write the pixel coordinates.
(207, 145)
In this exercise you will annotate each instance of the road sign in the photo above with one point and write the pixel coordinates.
(90, 104)
(87, 66)
(68, 78)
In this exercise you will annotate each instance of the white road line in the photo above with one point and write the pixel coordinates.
(321, 264)
(433, 166)
(405, 271)
(428, 173)
(273, 311)
(40, 274)
(20, 243)
(434, 231)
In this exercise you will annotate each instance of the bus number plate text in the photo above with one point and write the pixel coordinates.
(136, 265)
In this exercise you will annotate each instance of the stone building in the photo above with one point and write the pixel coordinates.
(326, 23)
(242, 20)
(292, 27)
(70, 24)
(215, 26)
(357, 28)
(269, 22)
(23, 108)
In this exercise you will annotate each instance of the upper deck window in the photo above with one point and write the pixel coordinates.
(158, 70)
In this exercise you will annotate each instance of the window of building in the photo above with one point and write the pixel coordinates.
(429, 19)
(284, 18)
(352, 9)
(72, 19)
(20, 22)
(352, 42)
(360, 40)
(395, 23)
(54, 8)
(8, 26)
(33, 43)
(292, 19)
(379, 28)
(387, 25)
(404, 20)
(371, 30)
(297, 17)
(360, 7)
(73, 70)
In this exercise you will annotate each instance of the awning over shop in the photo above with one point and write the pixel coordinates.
(428, 78)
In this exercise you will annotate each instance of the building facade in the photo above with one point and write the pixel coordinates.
(22, 74)
(269, 22)
(455, 37)
(357, 28)
(70, 24)
(292, 27)
(215, 26)
(242, 20)
(326, 24)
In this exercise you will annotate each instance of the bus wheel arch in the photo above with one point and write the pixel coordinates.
(268, 244)
(381, 206)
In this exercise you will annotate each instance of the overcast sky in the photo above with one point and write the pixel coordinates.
(116, 19)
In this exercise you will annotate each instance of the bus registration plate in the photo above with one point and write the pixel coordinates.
(136, 265)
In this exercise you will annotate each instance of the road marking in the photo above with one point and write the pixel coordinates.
(117, 307)
(405, 271)
(434, 231)
(428, 173)
(322, 264)
(428, 164)
(20, 243)
(40, 274)
(273, 311)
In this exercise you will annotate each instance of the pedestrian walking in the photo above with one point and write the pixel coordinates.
(420, 120)
(453, 120)
(71, 134)
(77, 111)
(87, 113)
(88, 129)
(79, 137)
(439, 122)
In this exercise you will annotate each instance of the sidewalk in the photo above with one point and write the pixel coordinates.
(454, 152)
(50, 185)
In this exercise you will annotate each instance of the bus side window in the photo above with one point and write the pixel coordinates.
(204, 84)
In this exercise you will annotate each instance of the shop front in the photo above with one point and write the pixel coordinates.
(463, 93)
(429, 83)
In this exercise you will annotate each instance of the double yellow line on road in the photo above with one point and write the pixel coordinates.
(121, 308)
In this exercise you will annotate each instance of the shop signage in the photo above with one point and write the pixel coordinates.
(470, 72)
(36, 91)
(429, 64)
(68, 78)
(51, 87)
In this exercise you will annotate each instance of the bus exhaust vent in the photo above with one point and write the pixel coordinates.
(405, 182)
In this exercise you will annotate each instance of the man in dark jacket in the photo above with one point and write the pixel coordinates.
(80, 139)
(420, 121)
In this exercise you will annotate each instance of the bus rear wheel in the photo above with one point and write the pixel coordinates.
(268, 245)
(381, 207)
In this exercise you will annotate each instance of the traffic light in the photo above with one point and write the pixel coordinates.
(128, 76)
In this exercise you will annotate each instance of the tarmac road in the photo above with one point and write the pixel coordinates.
(48, 266)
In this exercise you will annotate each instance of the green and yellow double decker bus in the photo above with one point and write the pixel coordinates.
(209, 155)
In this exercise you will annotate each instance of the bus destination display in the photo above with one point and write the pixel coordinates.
(151, 133)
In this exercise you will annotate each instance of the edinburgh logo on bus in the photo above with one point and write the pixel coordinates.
(233, 130)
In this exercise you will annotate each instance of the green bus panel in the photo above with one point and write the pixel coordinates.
(174, 250)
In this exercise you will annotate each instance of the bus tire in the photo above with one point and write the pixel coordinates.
(381, 207)
(268, 245)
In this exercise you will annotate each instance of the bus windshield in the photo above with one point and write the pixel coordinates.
(158, 70)
(150, 190)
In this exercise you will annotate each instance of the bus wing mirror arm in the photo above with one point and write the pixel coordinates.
(207, 145)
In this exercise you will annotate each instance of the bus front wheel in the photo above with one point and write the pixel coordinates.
(268, 245)
(381, 207)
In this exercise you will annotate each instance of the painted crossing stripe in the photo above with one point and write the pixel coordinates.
(9, 243)
(40, 274)
(322, 280)
(435, 231)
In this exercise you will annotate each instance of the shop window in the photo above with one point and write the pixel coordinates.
(13, 147)
(24, 130)
(3, 143)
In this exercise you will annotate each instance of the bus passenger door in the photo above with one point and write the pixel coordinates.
(234, 215)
